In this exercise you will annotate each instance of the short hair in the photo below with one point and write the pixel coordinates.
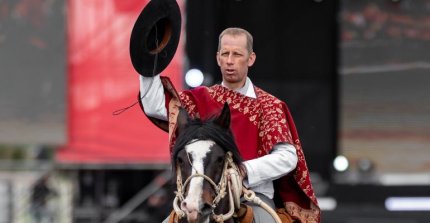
(234, 31)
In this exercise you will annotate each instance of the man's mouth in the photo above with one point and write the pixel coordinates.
(229, 71)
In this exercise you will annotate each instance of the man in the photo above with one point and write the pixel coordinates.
(262, 126)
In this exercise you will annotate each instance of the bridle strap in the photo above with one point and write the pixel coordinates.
(201, 175)
(222, 217)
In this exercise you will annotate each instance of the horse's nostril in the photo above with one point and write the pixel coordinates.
(184, 205)
(188, 208)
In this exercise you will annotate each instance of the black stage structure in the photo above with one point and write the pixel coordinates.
(298, 59)
(296, 47)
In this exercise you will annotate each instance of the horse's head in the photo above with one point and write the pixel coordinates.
(199, 160)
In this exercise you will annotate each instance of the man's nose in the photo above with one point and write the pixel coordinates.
(230, 59)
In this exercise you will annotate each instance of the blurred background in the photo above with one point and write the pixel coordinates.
(354, 74)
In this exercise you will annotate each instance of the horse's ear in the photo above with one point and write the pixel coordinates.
(183, 118)
(223, 119)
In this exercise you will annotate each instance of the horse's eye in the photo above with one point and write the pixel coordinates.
(220, 159)
(180, 161)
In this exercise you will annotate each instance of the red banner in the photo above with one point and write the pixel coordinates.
(101, 80)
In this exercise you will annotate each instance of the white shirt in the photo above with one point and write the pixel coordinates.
(260, 171)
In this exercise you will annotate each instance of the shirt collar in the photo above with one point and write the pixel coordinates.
(247, 89)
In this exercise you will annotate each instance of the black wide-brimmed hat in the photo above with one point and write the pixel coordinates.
(155, 37)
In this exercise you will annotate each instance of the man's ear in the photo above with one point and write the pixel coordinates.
(224, 118)
(251, 59)
(182, 119)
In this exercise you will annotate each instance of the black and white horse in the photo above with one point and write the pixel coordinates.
(204, 157)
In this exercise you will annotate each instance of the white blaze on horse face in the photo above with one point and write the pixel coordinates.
(197, 151)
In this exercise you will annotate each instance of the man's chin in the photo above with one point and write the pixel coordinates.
(231, 79)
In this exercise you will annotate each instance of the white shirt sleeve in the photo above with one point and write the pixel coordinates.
(282, 160)
(152, 97)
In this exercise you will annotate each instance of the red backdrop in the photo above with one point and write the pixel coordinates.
(101, 79)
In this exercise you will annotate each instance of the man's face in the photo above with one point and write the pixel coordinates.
(234, 60)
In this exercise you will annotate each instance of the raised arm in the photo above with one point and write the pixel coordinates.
(152, 97)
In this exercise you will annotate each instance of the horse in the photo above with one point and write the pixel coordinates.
(207, 162)
(205, 159)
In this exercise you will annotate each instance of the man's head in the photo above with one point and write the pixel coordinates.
(235, 56)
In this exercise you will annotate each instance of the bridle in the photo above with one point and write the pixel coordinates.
(233, 186)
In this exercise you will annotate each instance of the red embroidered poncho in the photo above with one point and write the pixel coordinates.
(257, 124)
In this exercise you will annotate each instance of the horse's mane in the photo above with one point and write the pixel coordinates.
(197, 129)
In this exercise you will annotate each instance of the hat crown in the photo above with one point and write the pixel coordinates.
(155, 37)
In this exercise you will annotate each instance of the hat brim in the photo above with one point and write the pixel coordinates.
(155, 37)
